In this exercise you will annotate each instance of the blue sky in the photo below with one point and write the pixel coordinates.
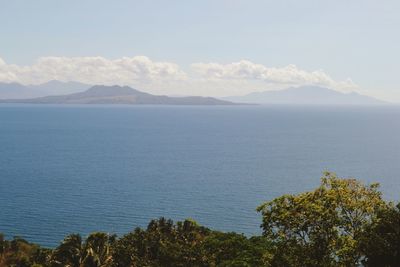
(355, 40)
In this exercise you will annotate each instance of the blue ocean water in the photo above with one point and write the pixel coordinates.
(66, 169)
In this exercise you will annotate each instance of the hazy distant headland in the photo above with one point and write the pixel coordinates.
(19, 91)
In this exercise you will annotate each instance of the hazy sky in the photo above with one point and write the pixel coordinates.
(204, 47)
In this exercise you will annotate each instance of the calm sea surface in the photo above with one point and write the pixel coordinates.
(66, 169)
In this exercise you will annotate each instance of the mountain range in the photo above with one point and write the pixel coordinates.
(306, 95)
(56, 92)
(100, 94)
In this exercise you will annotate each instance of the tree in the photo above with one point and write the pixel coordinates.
(381, 240)
(17, 252)
(3, 247)
(322, 227)
(232, 249)
(94, 252)
(186, 243)
(163, 243)
(70, 252)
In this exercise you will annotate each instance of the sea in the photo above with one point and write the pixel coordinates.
(85, 168)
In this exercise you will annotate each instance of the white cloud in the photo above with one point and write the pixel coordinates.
(289, 75)
(212, 79)
(92, 70)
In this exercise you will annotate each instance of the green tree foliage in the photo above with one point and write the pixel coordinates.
(19, 252)
(381, 240)
(322, 227)
(232, 249)
(95, 251)
(162, 244)
(186, 243)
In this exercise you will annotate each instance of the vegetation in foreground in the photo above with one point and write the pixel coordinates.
(341, 223)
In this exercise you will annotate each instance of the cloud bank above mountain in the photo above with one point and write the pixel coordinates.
(168, 77)
(288, 75)
(92, 70)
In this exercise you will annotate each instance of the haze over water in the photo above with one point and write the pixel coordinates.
(68, 169)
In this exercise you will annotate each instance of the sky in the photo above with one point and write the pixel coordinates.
(208, 47)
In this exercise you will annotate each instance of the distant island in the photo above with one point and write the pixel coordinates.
(306, 95)
(57, 92)
(101, 94)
